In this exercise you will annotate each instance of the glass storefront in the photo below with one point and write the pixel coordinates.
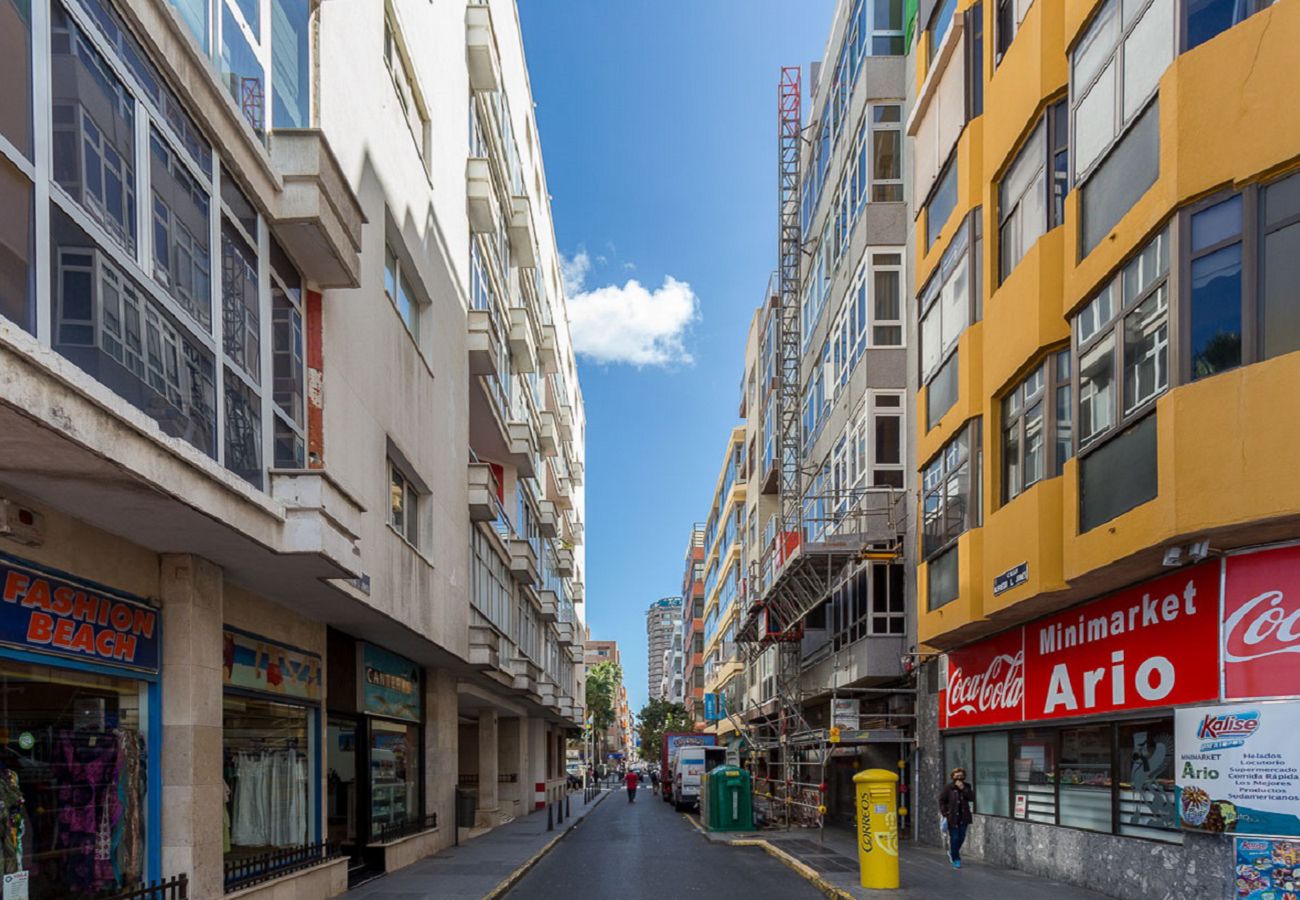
(73, 770)
(394, 774)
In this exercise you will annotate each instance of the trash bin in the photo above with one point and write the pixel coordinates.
(466, 808)
(726, 800)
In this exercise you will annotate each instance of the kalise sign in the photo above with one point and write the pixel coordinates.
(1261, 624)
(1149, 646)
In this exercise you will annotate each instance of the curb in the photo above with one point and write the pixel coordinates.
(806, 871)
(514, 877)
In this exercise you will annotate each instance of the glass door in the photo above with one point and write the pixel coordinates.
(343, 803)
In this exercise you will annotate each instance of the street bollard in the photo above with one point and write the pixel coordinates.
(559, 810)
(566, 805)
(550, 817)
(877, 802)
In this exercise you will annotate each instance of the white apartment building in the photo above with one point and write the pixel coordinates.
(291, 436)
(663, 620)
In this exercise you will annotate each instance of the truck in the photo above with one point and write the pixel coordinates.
(689, 765)
(671, 741)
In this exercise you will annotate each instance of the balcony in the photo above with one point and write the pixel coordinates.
(548, 521)
(523, 240)
(484, 339)
(317, 218)
(481, 199)
(550, 604)
(566, 422)
(523, 561)
(577, 472)
(547, 434)
(482, 493)
(578, 591)
(576, 651)
(558, 489)
(548, 354)
(481, 49)
(523, 447)
(564, 562)
(523, 351)
(567, 633)
(484, 647)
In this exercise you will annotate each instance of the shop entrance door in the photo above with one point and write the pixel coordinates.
(347, 803)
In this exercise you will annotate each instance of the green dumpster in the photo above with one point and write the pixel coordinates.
(726, 800)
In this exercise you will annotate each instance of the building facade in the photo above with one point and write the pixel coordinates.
(663, 625)
(1104, 269)
(693, 626)
(617, 738)
(291, 434)
(723, 577)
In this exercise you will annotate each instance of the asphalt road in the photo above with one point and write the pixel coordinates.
(646, 850)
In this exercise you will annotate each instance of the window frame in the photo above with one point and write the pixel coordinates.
(1002, 41)
(934, 230)
(1048, 394)
(409, 529)
(875, 126)
(1053, 206)
(394, 39)
(929, 295)
(401, 278)
(972, 513)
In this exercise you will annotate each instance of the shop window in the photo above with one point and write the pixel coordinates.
(958, 753)
(1115, 69)
(1121, 179)
(942, 584)
(268, 753)
(1119, 476)
(1216, 288)
(950, 501)
(1279, 264)
(94, 131)
(1085, 790)
(1148, 805)
(943, 200)
(1010, 14)
(17, 274)
(1204, 19)
(992, 774)
(76, 757)
(1033, 754)
(394, 774)
(1033, 416)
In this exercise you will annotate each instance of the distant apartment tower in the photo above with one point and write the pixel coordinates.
(662, 621)
(693, 625)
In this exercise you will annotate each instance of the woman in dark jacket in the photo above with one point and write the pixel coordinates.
(955, 806)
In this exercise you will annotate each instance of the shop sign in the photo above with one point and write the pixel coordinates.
(1261, 624)
(1149, 646)
(1013, 577)
(256, 664)
(845, 713)
(1239, 768)
(390, 684)
(52, 613)
(1267, 869)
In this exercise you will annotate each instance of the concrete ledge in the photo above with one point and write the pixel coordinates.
(327, 879)
(412, 848)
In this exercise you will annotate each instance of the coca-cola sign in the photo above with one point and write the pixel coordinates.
(986, 682)
(1261, 624)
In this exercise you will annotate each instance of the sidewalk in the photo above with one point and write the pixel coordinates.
(479, 868)
(925, 872)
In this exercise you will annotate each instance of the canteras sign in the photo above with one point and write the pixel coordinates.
(1261, 624)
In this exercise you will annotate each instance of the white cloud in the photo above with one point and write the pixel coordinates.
(629, 324)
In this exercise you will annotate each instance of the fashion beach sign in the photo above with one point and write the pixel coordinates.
(1149, 646)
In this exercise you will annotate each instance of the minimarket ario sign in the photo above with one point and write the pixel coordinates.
(1172, 641)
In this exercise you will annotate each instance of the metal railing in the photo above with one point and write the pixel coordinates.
(175, 888)
(251, 870)
(397, 830)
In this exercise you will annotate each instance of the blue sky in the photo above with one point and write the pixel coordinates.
(658, 128)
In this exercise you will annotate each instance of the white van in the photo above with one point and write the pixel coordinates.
(688, 765)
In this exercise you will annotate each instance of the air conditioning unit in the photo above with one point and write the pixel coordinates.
(20, 524)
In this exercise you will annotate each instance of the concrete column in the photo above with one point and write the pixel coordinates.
(536, 751)
(516, 799)
(488, 807)
(193, 792)
(441, 743)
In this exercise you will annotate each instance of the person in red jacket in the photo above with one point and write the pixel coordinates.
(631, 780)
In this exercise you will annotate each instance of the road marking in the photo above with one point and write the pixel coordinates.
(802, 868)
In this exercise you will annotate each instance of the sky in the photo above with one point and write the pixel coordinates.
(658, 131)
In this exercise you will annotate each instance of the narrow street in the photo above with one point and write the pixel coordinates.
(647, 850)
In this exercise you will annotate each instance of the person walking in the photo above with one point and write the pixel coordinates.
(631, 779)
(955, 807)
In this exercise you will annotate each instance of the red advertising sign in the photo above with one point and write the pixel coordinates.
(986, 682)
(1148, 646)
(1261, 624)
(1153, 645)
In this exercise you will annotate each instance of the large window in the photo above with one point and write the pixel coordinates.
(1031, 196)
(950, 499)
(1033, 772)
(991, 775)
(1206, 18)
(1215, 292)
(949, 300)
(1279, 263)
(943, 200)
(1036, 426)
(394, 774)
(870, 602)
(268, 754)
(1121, 179)
(1086, 780)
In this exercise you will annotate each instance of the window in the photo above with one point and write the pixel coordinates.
(943, 199)
(888, 599)
(291, 63)
(950, 300)
(941, 392)
(886, 26)
(182, 256)
(940, 22)
(241, 61)
(942, 582)
(1033, 754)
(1085, 791)
(1279, 264)
(991, 775)
(1123, 333)
(1031, 195)
(886, 153)
(1121, 474)
(974, 59)
(885, 465)
(287, 361)
(403, 504)
(409, 98)
(1033, 415)
(397, 287)
(1206, 18)
(1114, 70)
(1120, 180)
(887, 299)
(1009, 16)
(17, 274)
(240, 303)
(243, 429)
(950, 501)
(16, 75)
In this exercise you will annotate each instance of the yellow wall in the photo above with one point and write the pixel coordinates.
(1227, 446)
